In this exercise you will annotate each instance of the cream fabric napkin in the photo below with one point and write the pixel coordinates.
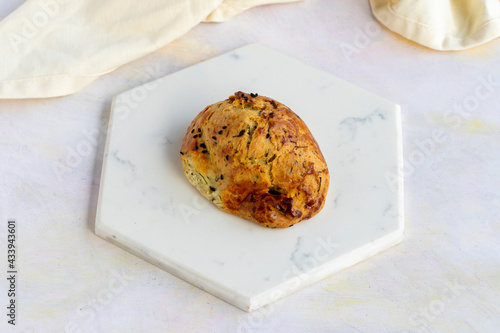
(441, 24)
(53, 48)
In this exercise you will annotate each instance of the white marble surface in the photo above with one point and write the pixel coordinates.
(147, 206)
(444, 277)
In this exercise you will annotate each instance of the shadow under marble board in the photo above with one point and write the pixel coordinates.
(148, 207)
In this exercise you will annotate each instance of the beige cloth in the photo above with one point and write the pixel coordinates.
(56, 47)
(441, 24)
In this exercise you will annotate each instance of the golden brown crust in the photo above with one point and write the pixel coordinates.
(255, 158)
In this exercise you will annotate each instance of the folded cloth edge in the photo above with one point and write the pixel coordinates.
(18, 89)
(427, 35)
(56, 85)
(230, 8)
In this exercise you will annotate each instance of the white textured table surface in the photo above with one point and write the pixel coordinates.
(444, 277)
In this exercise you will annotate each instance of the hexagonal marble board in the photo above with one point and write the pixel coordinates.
(148, 207)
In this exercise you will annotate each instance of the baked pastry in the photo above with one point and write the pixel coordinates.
(255, 158)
